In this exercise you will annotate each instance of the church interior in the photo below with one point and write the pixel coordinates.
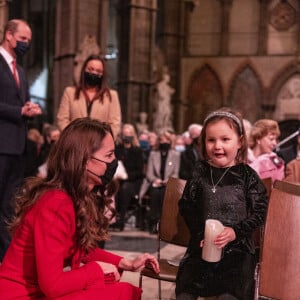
(238, 53)
(171, 62)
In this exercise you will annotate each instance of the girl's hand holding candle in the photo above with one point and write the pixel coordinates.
(216, 237)
(225, 237)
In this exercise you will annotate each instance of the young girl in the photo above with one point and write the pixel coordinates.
(222, 187)
(60, 219)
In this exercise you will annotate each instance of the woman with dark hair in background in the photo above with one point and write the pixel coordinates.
(91, 98)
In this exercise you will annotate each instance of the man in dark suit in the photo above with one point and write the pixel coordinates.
(15, 108)
(190, 156)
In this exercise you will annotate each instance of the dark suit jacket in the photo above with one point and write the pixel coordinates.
(288, 153)
(188, 160)
(132, 158)
(12, 98)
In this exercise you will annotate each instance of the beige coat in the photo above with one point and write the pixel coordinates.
(71, 108)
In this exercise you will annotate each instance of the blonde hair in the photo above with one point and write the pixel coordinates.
(168, 135)
(262, 128)
(132, 130)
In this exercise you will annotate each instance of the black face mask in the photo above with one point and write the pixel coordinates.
(21, 48)
(92, 79)
(164, 146)
(109, 173)
(127, 139)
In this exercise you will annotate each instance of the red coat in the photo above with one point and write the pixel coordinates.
(33, 267)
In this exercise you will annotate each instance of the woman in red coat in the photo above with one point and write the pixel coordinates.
(60, 219)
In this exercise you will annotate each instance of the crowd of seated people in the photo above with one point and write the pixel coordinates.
(161, 154)
(38, 146)
(167, 150)
(150, 158)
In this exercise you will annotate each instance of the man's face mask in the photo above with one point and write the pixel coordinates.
(21, 48)
(109, 173)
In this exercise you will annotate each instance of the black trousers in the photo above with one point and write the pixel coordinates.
(128, 189)
(156, 201)
(11, 177)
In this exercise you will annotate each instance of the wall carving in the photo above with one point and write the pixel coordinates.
(163, 115)
(284, 93)
(288, 100)
(282, 16)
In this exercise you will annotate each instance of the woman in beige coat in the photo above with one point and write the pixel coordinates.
(91, 98)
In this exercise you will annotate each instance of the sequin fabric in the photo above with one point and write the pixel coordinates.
(240, 202)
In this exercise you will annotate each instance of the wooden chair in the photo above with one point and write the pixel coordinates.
(171, 229)
(268, 184)
(288, 187)
(258, 233)
(277, 274)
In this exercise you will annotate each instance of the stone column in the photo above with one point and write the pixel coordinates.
(3, 16)
(226, 6)
(136, 52)
(263, 27)
(75, 19)
(170, 39)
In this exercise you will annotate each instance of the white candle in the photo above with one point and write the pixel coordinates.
(210, 251)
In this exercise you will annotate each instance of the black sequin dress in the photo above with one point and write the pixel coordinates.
(240, 202)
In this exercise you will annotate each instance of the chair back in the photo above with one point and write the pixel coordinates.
(172, 227)
(280, 261)
(268, 185)
(288, 187)
(257, 235)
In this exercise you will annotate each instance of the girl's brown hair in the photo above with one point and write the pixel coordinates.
(67, 171)
(235, 121)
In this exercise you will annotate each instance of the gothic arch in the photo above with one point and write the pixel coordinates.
(246, 93)
(285, 93)
(204, 94)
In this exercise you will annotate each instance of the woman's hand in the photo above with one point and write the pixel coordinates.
(225, 237)
(139, 263)
(157, 183)
(109, 270)
(201, 243)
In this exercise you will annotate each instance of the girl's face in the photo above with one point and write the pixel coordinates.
(267, 143)
(94, 66)
(222, 144)
(106, 154)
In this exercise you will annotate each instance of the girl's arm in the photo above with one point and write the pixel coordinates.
(257, 203)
